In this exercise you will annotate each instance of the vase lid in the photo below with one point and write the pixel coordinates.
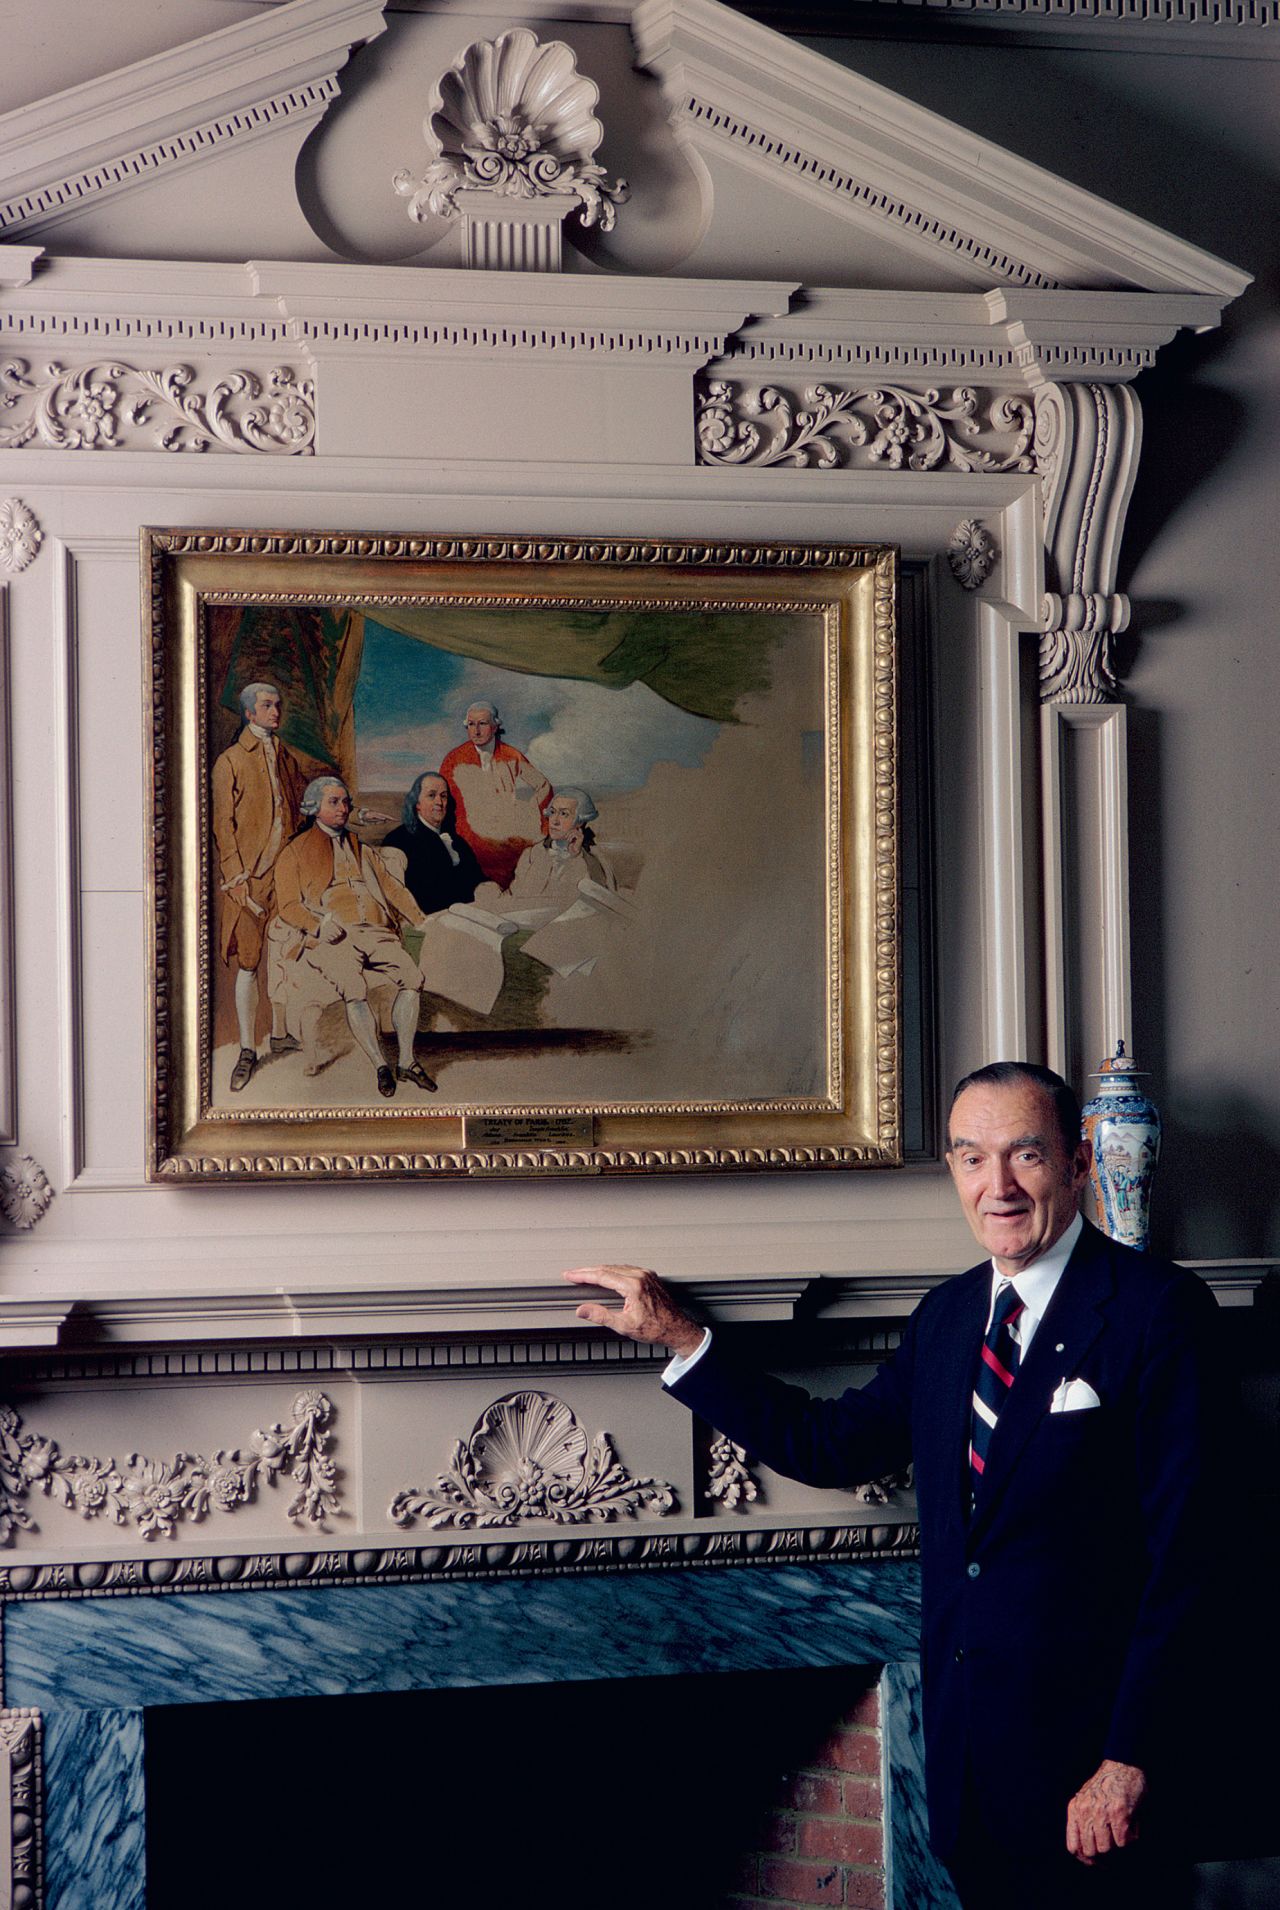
(1117, 1064)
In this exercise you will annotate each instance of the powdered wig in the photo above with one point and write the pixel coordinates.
(313, 794)
(586, 809)
(250, 694)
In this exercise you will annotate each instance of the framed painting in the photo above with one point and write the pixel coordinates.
(477, 856)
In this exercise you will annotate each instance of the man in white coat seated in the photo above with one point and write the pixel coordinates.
(345, 906)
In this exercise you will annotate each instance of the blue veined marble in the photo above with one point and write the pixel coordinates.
(189, 1648)
(917, 1881)
(95, 1811)
(90, 1664)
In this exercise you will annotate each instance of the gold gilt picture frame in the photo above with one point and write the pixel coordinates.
(479, 856)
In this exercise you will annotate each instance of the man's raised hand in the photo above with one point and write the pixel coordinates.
(647, 1313)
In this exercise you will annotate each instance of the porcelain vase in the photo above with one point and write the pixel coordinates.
(1123, 1124)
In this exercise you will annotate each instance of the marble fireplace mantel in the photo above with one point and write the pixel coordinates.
(80, 1672)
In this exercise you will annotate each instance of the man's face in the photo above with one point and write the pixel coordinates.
(481, 728)
(335, 806)
(1017, 1183)
(433, 801)
(562, 818)
(266, 710)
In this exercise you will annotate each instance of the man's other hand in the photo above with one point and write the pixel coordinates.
(1103, 1814)
(647, 1313)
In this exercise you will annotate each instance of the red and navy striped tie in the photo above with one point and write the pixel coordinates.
(996, 1371)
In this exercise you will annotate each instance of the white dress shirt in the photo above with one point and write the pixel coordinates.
(1035, 1286)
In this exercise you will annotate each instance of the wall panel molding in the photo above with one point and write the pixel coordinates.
(67, 861)
(8, 951)
(1086, 883)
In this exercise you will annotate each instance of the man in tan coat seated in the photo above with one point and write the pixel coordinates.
(346, 905)
(257, 786)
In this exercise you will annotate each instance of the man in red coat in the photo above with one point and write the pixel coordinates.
(499, 797)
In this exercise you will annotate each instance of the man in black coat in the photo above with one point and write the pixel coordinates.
(1061, 1404)
(442, 867)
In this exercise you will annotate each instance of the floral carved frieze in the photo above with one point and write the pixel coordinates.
(514, 118)
(893, 426)
(729, 1475)
(156, 1496)
(25, 1193)
(20, 535)
(528, 1458)
(114, 406)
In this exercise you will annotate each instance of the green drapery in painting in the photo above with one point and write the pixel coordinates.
(704, 662)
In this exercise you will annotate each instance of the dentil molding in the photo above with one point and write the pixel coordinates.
(155, 1496)
(179, 108)
(526, 1458)
(745, 96)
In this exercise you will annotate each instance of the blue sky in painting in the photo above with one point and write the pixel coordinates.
(411, 698)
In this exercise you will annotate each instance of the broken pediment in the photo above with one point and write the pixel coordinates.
(282, 136)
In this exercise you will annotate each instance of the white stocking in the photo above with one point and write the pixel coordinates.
(404, 1019)
(247, 1006)
(365, 1029)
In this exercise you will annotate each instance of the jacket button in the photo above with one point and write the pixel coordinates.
(959, 1654)
(975, 1570)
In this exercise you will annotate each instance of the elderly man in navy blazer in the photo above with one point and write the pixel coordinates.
(1059, 1403)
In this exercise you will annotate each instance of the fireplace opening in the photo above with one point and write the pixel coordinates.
(678, 1792)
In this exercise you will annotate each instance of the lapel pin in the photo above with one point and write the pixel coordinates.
(1060, 1348)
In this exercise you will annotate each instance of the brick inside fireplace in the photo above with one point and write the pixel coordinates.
(820, 1839)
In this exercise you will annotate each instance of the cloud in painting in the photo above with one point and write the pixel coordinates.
(411, 701)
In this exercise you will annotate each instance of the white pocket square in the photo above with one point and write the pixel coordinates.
(1073, 1396)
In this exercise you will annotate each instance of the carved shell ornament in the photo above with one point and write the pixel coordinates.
(514, 117)
(529, 1458)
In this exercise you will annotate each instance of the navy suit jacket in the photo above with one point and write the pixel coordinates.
(1061, 1610)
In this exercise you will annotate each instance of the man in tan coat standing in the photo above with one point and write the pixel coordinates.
(257, 789)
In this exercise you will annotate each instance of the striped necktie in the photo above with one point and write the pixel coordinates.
(996, 1370)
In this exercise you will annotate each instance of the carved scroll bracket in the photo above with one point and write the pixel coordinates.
(1087, 441)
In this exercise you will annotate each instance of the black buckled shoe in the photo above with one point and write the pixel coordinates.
(419, 1077)
(242, 1073)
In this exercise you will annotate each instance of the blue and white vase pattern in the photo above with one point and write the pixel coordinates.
(1123, 1124)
